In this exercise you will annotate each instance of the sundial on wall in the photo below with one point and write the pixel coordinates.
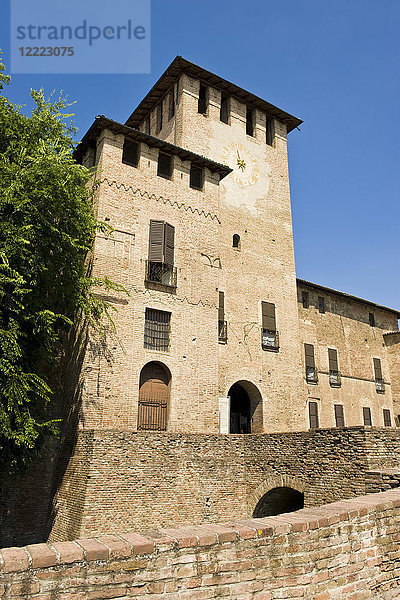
(243, 163)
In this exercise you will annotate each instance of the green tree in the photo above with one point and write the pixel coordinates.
(47, 229)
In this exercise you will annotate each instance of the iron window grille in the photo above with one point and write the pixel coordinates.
(162, 274)
(222, 332)
(157, 330)
(335, 379)
(270, 340)
(311, 374)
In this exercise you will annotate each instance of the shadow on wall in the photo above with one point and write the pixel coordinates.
(27, 501)
(279, 500)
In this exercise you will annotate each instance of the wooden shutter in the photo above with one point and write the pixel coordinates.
(339, 415)
(268, 316)
(309, 354)
(169, 241)
(333, 359)
(367, 416)
(221, 307)
(387, 419)
(313, 414)
(378, 368)
(156, 241)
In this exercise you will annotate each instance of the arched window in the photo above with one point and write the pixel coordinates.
(154, 390)
(236, 241)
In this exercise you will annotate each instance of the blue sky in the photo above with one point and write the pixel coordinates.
(333, 64)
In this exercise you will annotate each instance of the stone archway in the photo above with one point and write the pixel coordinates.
(276, 495)
(245, 408)
(154, 392)
(277, 501)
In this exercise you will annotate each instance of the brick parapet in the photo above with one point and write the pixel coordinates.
(347, 549)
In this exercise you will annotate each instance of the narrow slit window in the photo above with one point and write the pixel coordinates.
(222, 325)
(224, 111)
(313, 415)
(203, 99)
(270, 132)
(250, 121)
(147, 126)
(130, 153)
(196, 177)
(305, 299)
(159, 117)
(321, 305)
(164, 167)
(171, 105)
(371, 317)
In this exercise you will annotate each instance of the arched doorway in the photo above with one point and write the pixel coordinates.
(154, 389)
(279, 500)
(245, 408)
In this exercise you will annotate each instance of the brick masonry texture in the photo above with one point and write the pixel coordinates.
(346, 550)
(118, 480)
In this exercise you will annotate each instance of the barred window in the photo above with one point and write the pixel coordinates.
(156, 329)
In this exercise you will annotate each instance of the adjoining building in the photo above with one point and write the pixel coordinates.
(217, 334)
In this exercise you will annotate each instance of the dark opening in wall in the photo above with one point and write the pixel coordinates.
(164, 167)
(236, 241)
(224, 111)
(203, 99)
(279, 500)
(130, 153)
(250, 121)
(196, 177)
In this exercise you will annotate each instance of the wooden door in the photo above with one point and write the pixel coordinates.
(153, 398)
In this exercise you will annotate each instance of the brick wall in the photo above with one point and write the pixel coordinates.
(118, 480)
(346, 550)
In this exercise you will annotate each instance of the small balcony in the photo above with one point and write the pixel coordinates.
(380, 386)
(335, 379)
(270, 340)
(311, 375)
(161, 276)
(222, 332)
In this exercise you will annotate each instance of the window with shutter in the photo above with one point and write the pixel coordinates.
(171, 104)
(224, 110)
(270, 336)
(164, 167)
(130, 153)
(311, 371)
(203, 99)
(250, 121)
(270, 132)
(367, 416)
(387, 419)
(379, 381)
(160, 265)
(196, 177)
(222, 325)
(313, 415)
(334, 374)
(156, 329)
(339, 415)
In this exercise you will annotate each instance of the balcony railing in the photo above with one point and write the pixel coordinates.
(222, 332)
(335, 379)
(270, 340)
(311, 374)
(380, 385)
(161, 275)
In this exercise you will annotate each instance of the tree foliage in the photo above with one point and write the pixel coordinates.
(47, 229)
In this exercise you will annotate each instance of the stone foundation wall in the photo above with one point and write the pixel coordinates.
(346, 550)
